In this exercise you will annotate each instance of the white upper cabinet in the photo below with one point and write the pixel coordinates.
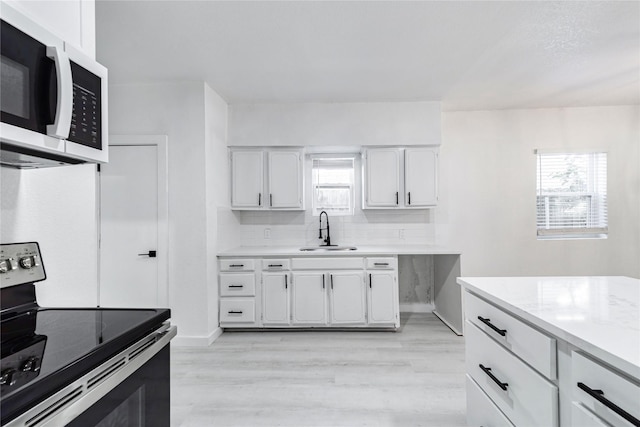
(247, 179)
(420, 177)
(285, 179)
(400, 177)
(267, 179)
(382, 177)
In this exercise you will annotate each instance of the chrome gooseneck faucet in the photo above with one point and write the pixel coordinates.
(327, 240)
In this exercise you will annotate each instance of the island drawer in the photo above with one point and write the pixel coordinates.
(276, 264)
(523, 395)
(342, 263)
(237, 310)
(237, 284)
(386, 263)
(237, 264)
(531, 345)
(480, 409)
(600, 389)
(582, 417)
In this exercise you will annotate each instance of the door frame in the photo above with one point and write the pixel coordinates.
(161, 142)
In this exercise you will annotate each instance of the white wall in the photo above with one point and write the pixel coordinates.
(337, 124)
(178, 110)
(57, 208)
(488, 187)
(217, 193)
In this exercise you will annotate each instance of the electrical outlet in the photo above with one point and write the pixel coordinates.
(267, 233)
(401, 234)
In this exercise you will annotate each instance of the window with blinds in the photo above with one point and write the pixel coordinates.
(572, 195)
(333, 182)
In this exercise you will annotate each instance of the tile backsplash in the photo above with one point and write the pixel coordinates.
(369, 227)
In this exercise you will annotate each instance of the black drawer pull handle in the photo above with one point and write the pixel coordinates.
(275, 265)
(599, 396)
(259, 199)
(381, 263)
(331, 277)
(493, 377)
(409, 197)
(396, 197)
(323, 281)
(370, 280)
(487, 322)
(286, 285)
(236, 286)
(236, 265)
(235, 312)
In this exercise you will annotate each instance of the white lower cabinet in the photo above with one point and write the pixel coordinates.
(309, 302)
(481, 411)
(522, 394)
(311, 292)
(382, 298)
(275, 299)
(522, 375)
(348, 298)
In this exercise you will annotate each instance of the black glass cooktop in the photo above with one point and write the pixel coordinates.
(64, 344)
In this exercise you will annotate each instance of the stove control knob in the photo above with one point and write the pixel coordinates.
(7, 377)
(5, 266)
(30, 365)
(27, 262)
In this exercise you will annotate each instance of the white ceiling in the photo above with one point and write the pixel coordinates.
(467, 54)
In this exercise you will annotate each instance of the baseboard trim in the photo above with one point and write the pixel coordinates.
(416, 308)
(197, 341)
(442, 319)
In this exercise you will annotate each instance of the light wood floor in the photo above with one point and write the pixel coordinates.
(413, 377)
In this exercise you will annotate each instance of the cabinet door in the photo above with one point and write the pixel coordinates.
(309, 299)
(382, 297)
(275, 298)
(247, 177)
(347, 298)
(285, 179)
(382, 177)
(420, 177)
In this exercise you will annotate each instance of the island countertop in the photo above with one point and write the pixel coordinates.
(362, 250)
(600, 315)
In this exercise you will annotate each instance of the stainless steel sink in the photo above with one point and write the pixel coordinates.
(329, 248)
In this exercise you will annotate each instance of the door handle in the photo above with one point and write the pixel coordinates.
(150, 254)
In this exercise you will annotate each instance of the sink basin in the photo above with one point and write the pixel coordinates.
(329, 248)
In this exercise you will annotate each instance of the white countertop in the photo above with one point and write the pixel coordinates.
(363, 250)
(600, 315)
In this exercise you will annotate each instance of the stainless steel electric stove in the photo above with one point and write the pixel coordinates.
(77, 366)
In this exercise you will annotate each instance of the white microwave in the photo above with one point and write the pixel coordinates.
(53, 107)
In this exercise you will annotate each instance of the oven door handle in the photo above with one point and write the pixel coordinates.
(64, 102)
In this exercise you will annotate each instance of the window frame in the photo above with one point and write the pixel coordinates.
(315, 209)
(596, 215)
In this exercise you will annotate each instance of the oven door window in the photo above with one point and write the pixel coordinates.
(141, 400)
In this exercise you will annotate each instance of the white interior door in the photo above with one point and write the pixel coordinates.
(133, 249)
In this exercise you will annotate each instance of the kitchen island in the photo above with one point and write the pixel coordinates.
(552, 350)
(273, 268)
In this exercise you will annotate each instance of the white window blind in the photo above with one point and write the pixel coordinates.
(333, 182)
(572, 195)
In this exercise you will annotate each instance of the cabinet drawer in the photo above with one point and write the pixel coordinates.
(237, 310)
(342, 263)
(481, 411)
(237, 264)
(582, 417)
(615, 390)
(237, 284)
(276, 264)
(526, 397)
(532, 346)
(386, 263)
